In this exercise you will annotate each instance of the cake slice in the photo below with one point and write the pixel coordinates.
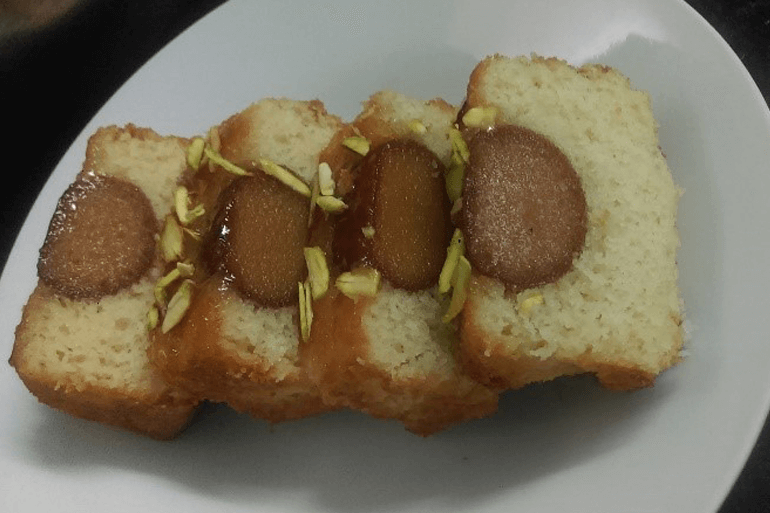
(82, 343)
(388, 351)
(614, 309)
(238, 343)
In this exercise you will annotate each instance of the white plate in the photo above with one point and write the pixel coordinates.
(562, 447)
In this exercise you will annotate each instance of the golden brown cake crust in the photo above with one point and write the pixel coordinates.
(337, 356)
(158, 421)
(161, 413)
(502, 371)
(197, 356)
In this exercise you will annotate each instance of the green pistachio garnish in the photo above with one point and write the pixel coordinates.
(177, 306)
(330, 204)
(171, 240)
(182, 270)
(325, 179)
(182, 206)
(225, 164)
(417, 127)
(459, 146)
(454, 180)
(305, 309)
(285, 176)
(481, 117)
(368, 231)
(359, 282)
(358, 144)
(318, 271)
(195, 153)
(153, 317)
(460, 280)
(455, 250)
(456, 172)
(304, 325)
(193, 234)
(529, 303)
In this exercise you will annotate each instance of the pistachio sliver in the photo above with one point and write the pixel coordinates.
(529, 303)
(285, 176)
(448, 270)
(459, 145)
(225, 164)
(458, 239)
(317, 270)
(456, 159)
(165, 281)
(171, 240)
(325, 179)
(454, 181)
(455, 250)
(308, 310)
(177, 306)
(194, 213)
(182, 270)
(160, 295)
(181, 202)
(360, 282)
(153, 317)
(304, 328)
(357, 143)
(368, 231)
(417, 126)
(330, 204)
(186, 269)
(192, 233)
(460, 292)
(182, 206)
(195, 153)
(305, 309)
(482, 117)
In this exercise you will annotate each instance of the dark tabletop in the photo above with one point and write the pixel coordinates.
(48, 97)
